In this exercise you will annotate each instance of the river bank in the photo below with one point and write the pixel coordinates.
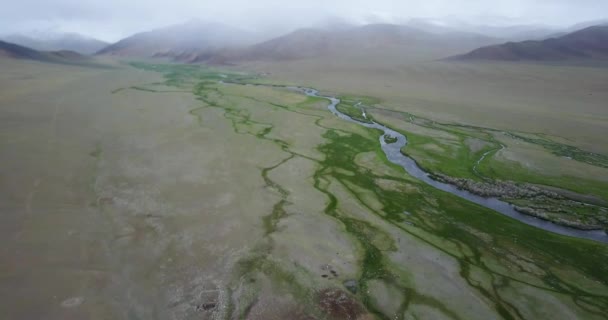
(535, 201)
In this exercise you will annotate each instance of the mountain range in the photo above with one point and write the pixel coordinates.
(419, 40)
(15, 51)
(506, 33)
(198, 42)
(588, 44)
(57, 42)
(194, 35)
(368, 39)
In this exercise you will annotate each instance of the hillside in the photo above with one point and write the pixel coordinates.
(507, 33)
(371, 40)
(191, 36)
(586, 44)
(14, 51)
(57, 42)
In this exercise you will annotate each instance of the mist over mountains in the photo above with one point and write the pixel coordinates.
(190, 36)
(418, 39)
(15, 51)
(57, 41)
(198, 41)
(361, 40)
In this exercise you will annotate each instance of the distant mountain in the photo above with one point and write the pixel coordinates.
(57, 42)
(587, 24)
(368, 39)
(192, 36)
(15, 51)
(296, 45)
(586, 44)
(516, 32)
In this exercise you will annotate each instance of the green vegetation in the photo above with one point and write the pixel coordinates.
(563, 150)
(354, 111)
(496, 257)
(451, 157)
(185, 194)
(342, 151)
(571, 213)
(389, 139)
(510, 170)
(468, 152)
(355, 107)
(457, 148)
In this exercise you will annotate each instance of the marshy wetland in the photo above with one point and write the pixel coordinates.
(181, 192)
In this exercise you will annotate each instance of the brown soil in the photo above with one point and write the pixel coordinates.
(339, 305)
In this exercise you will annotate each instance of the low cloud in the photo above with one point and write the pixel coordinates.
(113, 19)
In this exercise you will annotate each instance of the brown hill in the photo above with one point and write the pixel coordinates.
(14, 51)
(587, 44)
(363, 40)
(191, 36)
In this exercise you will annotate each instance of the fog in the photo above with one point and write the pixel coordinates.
(111, 20)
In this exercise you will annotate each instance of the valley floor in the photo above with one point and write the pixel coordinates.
(176, 192)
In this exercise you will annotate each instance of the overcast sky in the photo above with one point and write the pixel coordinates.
(113, 19)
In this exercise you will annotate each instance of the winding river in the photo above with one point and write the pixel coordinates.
(394, 155)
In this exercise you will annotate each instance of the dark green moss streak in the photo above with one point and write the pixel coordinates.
(278, 211)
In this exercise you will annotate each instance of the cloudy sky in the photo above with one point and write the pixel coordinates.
(113, 19)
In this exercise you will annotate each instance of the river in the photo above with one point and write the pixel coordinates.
(394, 155)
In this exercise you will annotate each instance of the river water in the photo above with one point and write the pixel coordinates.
(394, 155)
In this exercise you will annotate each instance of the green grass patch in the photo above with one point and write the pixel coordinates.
(352, 111)
(564, 150)
(453, 159)
(510, 170)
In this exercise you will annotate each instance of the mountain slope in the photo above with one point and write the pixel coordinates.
(57, 42)
(14, 51)
(589, 43)
(587, 24)
(363, 40)
(298, 44)
(192, 36)
(507, 33)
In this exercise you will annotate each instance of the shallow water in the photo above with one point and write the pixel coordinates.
(394, 155)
